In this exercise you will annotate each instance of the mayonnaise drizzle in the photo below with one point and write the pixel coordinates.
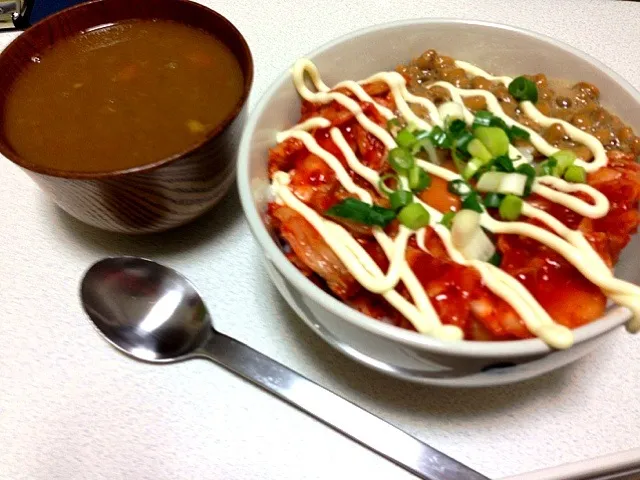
(569, 243)
(599, 153)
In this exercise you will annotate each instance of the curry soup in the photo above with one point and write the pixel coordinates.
(121, 96)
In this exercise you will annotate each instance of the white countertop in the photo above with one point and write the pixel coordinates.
(72, 408)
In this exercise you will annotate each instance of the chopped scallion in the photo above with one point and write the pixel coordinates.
(490, 181)
(439, 137)
(447, 219)
(472, 167)
(418, 179)
(500, 123)
(565, 159)
(504, 164)
(414, 216)
(513, 183)
(420, 134)
(548, 167)
(462, 142)
(382, 183)
(459, 187)
(361, 212)
(502, 182)
(494, 138)
(516, 133)
(527, 170)
(523, 89)
(456, 128)
(575, 174)
(405, 139)
(510, 208)
(482, 119)
(423, 143)
(400, 198)
(468, 236)
(492, 200)
(472, 202)
(393, 123)
(477, 149)
(458, 159)
(400, 160)
(530, 172)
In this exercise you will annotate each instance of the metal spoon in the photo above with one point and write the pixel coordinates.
(153, 313)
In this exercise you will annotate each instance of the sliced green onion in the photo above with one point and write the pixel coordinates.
(516, 133)
(492, 200)
(510, 208)
(418, 179)
(393, 123)
(513, 183)
(423, 143)
(462, 142)
(500, 123)
(482, 119)
(382, 183)
(400, 160)
(527, 170)
(361, 212)
(472, 167)
(523, 89)
(405, 139)
(504, 164)
(494, 138)
(477, 149)
(548, 167)
(420, 134)
(414, 216)
(458, 159)
(575, 174)
(456, 128)
(459, 187)
(447, 218)
(530, 172)
(501, 182)
(496, 259)
(472, 202)
(465, 225)
(468, 236)
(565, 159)
(490, 181)
(400, 198)
(439, 137)
(487, 167)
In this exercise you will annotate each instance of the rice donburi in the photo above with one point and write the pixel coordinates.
(442, 199)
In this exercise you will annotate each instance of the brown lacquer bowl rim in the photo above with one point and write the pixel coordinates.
(9, 153)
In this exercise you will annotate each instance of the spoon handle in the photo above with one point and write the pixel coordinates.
(343, 416)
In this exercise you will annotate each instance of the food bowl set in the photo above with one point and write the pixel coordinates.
(176, 190)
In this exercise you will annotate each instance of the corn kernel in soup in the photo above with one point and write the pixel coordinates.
(121, 96)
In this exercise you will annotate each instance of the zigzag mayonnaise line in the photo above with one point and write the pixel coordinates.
(571, 244)
(599, 153)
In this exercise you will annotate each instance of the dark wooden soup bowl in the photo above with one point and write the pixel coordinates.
(153, 197)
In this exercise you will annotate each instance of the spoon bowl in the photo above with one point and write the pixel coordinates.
(153, 313)
(145, 309)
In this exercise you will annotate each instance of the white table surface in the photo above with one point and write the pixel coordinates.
(72, 408)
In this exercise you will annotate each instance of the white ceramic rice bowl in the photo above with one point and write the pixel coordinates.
(498, 49)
